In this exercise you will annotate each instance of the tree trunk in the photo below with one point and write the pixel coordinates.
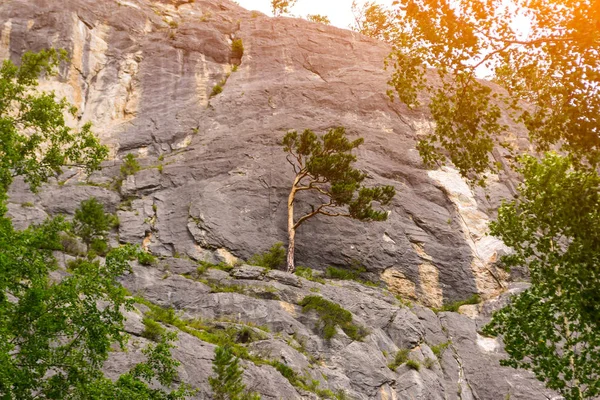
(291, 229)
(290, 254)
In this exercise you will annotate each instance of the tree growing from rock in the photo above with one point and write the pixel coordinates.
(282, 7)
(91, 222)
(227, 383)
(323, 167)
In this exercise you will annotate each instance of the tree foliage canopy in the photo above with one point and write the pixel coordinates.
(324, 166)
(57, 327)
(36, 141)
(553, 328)
(552, 66)
(543, 58)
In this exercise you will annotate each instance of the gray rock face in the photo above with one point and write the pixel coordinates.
(143, 72)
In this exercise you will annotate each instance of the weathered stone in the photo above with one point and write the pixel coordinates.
(178, 265)
(284, 277)
(248, 272)
(163, 288)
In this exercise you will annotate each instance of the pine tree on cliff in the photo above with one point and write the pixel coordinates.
(323, 166)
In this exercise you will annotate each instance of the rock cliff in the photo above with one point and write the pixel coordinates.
(214, 183)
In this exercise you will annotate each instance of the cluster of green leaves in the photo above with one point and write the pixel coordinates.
(454, 306)
(439, 349)
(35, 140)
(274, 258)
(55, 334)
(332, 315)
(548, 67)
(205, 265)
(326, 164)
(400, 358)
(553, 328)
(227, 384)
(130, 165)
(71, 324)
(91, 223)
(307, 273)
(146, 258)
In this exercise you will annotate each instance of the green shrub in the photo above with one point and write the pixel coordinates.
(130, 165)
(227, 383)
(152, 330)
(332, 315)
(217, 89)
(439, 349)
(27, 204)
(428, 363)
(453, 307)
(99, 246)
(145, 258)
(400, 358)
(274, 258)
(414, 364)
(307, 273)
(205, 265)
(351, 273)
(91, 222)
(237, 48)
(343, 274)
(234, 68)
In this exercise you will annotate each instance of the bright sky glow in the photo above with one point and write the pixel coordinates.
(339, 12)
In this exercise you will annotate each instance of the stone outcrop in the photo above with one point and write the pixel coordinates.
(464, 365)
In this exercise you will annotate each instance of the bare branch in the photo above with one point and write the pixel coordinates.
(293, 164)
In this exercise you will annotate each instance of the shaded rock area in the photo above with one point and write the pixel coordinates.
(213, 176)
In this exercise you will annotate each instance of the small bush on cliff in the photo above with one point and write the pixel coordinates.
(332, 315)
(237, 48)
(400, 358)
(274, 258)
(227, 384)
(130, 165)
(91, 223)
(307, 273)
(453, 307)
